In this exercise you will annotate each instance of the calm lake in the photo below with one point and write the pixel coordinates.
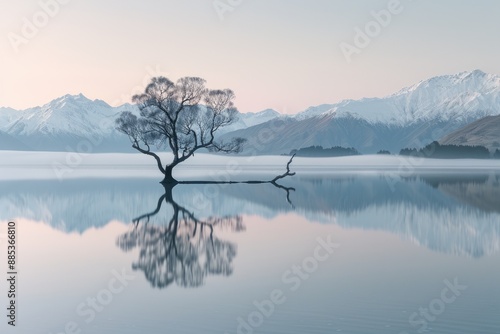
(343, 253)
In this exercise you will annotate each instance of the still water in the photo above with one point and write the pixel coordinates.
(342, 254)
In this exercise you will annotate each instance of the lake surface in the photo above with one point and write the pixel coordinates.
(346, 253)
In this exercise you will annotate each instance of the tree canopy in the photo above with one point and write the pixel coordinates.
(183, 117)
(438, 151)
(319, 151)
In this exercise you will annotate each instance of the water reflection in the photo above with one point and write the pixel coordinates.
(480, 191)
(452, 214)
(185, 249)
(400, 239)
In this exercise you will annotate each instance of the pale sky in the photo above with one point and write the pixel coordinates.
(280, 54)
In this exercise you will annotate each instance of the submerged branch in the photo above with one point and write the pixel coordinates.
(288, 173)
(273, 181)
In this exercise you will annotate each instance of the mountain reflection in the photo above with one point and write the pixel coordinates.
(450, 213)
(481, 191)
(184, 250)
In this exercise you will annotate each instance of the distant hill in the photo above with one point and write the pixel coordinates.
(484, 132)
(319, 151)
(436, 150)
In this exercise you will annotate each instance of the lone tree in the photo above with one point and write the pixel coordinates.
(172, 115)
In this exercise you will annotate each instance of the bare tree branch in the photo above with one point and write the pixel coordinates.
(288, 173)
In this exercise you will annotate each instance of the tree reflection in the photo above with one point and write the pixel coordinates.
(185, 250)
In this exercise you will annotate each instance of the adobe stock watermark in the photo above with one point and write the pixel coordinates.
(409, 164)
(151, 72)
(293, 279)
(222, 7)
(75, 155)
(436, 307)
(88, 310)
(363, 36)
(255, 144)
(31, 26)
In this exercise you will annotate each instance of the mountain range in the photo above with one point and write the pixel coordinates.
(412, 117)
(76, 123)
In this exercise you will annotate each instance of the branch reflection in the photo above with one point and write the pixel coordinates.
(183, 251)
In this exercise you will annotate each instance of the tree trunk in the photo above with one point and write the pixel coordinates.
(169, 198)
(169, 179)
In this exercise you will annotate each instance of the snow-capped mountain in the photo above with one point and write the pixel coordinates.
(412, 117)
(68, 123)
(246, 120)
(74, 114)
(457, 97)
(314, 111)
(74, 121)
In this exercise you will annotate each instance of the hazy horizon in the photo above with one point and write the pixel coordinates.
(251, 111)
